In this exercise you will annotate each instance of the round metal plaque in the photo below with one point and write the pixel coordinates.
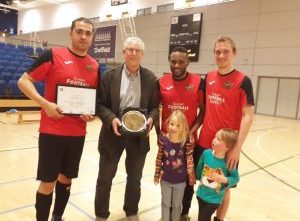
(134, 122)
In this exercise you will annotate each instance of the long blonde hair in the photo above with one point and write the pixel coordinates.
(179, 116)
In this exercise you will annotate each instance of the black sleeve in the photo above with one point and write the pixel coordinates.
(203, 88)
(47, 56)
(247, 87)
(104, 100)
(99, 76)
(158, 90)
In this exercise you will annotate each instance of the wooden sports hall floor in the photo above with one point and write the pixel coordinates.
(269, 189)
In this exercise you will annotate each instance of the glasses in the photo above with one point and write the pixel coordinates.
(82, 32)
(131, 50)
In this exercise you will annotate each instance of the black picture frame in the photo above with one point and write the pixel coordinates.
(186, 32)
(118, 2)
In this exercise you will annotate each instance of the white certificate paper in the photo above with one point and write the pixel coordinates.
(76, 100)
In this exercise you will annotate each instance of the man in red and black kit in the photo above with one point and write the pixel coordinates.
(228, 102)
(61, 137)
(180, 90)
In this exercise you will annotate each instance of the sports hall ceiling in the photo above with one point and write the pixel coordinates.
(25, 4)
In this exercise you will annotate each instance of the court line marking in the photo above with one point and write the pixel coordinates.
(267, 155)
(151, 208)
(70, 201)
(265, 129)
(25, 148)
(147, 185)
(262, 151)
(17, 181)
(271, 174)
(15, 209)
(117, 183)
(32, 205)
(142, 211)
(16, 149)
(81, 210)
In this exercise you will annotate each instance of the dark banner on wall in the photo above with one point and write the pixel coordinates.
(8, 21)
(186, 32)
(104, 43)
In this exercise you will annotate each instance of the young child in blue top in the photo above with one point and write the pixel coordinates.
(213, 174)
(174, 165)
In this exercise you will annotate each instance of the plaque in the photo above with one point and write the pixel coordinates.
(134, 122)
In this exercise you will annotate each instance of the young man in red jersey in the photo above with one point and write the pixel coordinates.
(180, 89)
(228, 101)
(61, 137)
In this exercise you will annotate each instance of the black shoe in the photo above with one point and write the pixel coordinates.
(216, 219)
(56, 218)
(185, 217)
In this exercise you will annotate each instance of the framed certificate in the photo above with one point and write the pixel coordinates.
(76, 100)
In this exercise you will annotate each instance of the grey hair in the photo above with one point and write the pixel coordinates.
(134, 40)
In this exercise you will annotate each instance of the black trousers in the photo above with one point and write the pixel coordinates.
(189, 190)
(134, 163)
(206, 210)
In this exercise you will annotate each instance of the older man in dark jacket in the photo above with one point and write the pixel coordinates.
(127, 86)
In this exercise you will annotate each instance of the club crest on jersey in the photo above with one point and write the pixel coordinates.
(228, 85)
(189, 87)
(89, 67)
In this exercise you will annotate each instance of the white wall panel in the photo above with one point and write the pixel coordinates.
(277, 56)
(239, 24)
(162, 44)
(244, 39)
(298, 117)
(150, 57)
(288, 95)
(162, 68)
(151, 44)
(207, 41)
(279, 20)
(244, 8)
(212, 12)
(210, 27)
(277, 70)
(161, 18)
(278, 38)
(244, 56)
(152, 67)
(200, 69)
(162, 57)
(279, 5)
(266, 100)
(246, 69)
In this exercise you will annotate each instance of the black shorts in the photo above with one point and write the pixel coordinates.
(59, 154)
